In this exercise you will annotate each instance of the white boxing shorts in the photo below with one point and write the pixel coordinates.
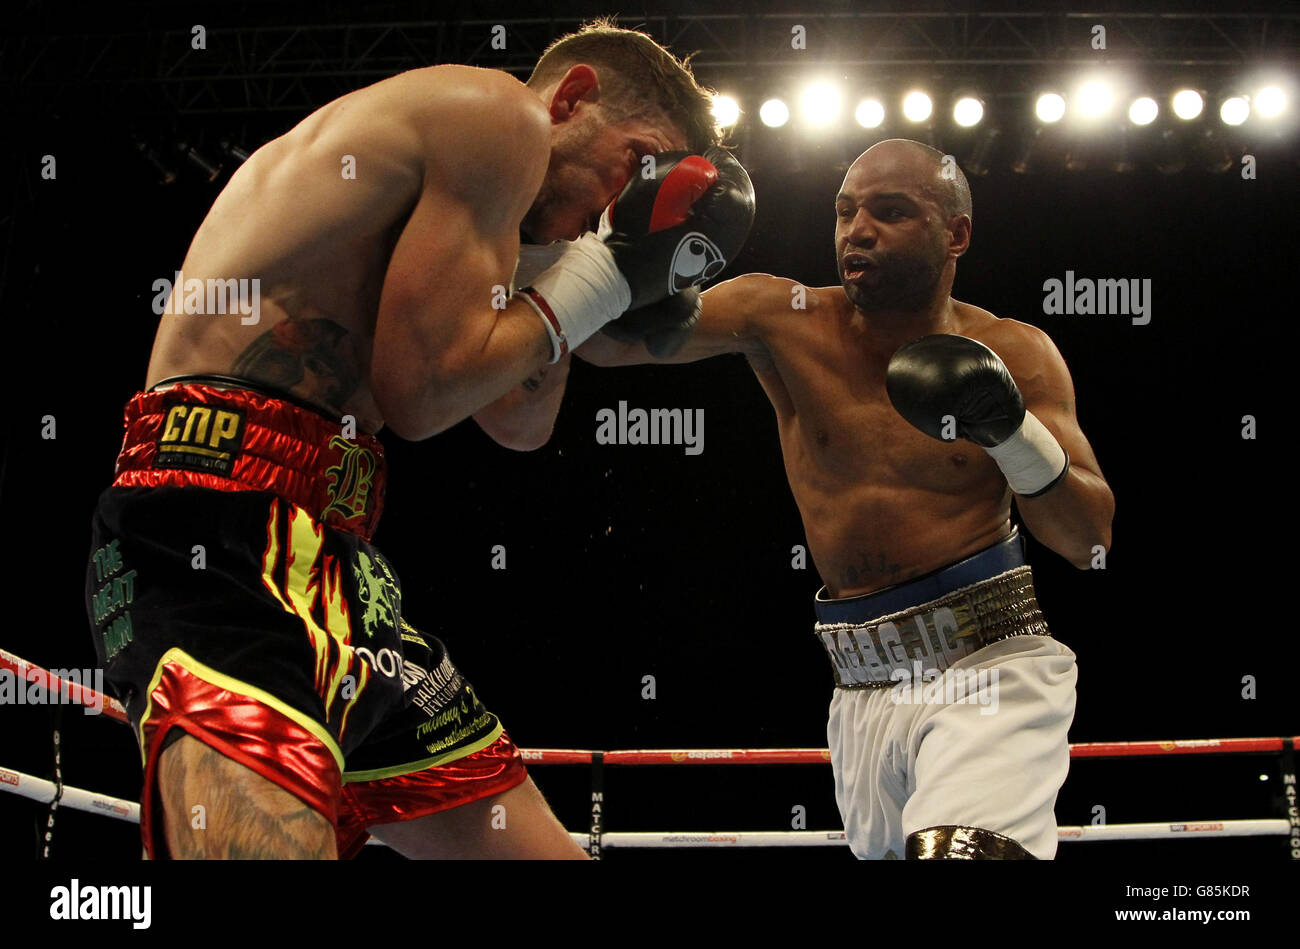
(948, 726)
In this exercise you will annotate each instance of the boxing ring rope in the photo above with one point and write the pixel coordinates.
(41, 790)
(1090, 749)
(68, 691)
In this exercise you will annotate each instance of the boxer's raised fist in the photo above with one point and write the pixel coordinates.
(941, 376)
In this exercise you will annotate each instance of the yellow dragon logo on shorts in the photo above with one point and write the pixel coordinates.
(349, 487)
(379, 594)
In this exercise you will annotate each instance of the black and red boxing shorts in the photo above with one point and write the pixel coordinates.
(235, 597)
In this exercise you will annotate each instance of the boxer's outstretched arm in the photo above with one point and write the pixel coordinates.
(524, 418)
(444, 345)
(731, 321)
(1074, 516)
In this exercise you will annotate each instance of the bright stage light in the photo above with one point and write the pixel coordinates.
(1188, 104)
(869, 113)
(917, 106)
(968, 111)
(1093, 100)
(1143, 111)
(774, 113)
(726, 111)
(1049, 108)
(1234, 110)
(1270, 102)
(820, 103)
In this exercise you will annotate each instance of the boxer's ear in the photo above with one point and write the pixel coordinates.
(579, 84)
(959, 233)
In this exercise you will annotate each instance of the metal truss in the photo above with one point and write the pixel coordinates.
(136, 58)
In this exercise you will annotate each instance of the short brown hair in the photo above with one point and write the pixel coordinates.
(639, 79)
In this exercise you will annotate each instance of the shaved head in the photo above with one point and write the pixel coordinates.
(940, 180)
(902, 218)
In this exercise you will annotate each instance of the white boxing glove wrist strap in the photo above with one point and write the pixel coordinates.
(579, 295)
(1032, 459)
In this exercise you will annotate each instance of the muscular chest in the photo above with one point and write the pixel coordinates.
(840, 426)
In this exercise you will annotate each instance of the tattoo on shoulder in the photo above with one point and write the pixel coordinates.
(314, 359)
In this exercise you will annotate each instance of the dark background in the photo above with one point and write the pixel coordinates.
(640, 560)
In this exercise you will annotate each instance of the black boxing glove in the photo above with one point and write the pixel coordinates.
(680, 227)
(664, 327)
(948, 386)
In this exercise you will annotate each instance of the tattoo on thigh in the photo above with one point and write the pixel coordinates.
(313, 359)
(246, 817)
(172, 780)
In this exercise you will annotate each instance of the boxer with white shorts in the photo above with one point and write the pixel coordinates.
(950, 712)
(909, 421)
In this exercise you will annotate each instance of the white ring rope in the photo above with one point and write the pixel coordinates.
(38, 789)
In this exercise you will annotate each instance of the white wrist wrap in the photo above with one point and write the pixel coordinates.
(1031, 459)
(579, 295)
(533, 259)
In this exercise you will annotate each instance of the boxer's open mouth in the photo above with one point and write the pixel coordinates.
(856, 266)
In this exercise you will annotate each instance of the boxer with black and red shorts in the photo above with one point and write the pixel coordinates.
(283, 646)
(283, 705)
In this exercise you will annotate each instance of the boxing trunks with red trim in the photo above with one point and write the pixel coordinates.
(235, 597)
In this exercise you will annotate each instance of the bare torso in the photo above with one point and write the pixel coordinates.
(881, 502)
(314, 216)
